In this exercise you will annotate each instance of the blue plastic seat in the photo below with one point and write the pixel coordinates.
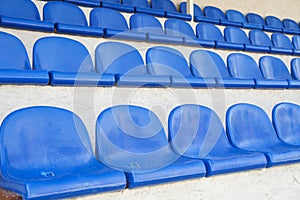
(261, 39)
(170, 9)
(282, 42)
(296, 44)
(69, 19)
(236, 16)
(22, 14)
(47, 154)
(295, 68)
(196, 132)
(142, 6)
(255, 20)
(68, 62)
(87, 3)
(110, 58)
(273, 24)
(217, 14)
(242, 66)
(274, 69)
(116, 5)
(208, 65)
(132, 139)
(290, 26)
(15, 66)
(113, 24)
(249, 128)
(165, 61)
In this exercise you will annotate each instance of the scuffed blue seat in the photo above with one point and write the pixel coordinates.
(170, 9)
(22, 14)
(273, 24)
(113, 24)
(286, 121)
(208, 65)
(132, 139)
(15, 66)
(196, 132)
(87, 3)
(249, 128)
(126, 63)
(198, 14)
(69, 19)
(142, 6)
(295, 68)
(116, 5)
(283, 43)
(47, 154)
(242, 66)
(236, 16)
(68, 62)
(165, 61)
(217, 14)
(290, 26)
(255, 20)
(274, 69)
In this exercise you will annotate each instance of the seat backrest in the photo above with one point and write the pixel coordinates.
(295, 68)
(243, 66)
(61, 54)
(249, 127)
(118, 58)
(137, 3)
(63, 12)
(258, 37)
(180, 28)
(24, 9)
(195, 131)
(208, 64)
(166, 61)
(235, 16)
(209, 32)
(282, 41)
(13, 54)
(290, 24)
(272, 21)
(214, 12)
(286, 121)
(107, 18)
(40, 142)
(145, 23)
(165, 5)
(296, 41)
(273, 68)
(235, 35)
(197, 10)
(254, 18)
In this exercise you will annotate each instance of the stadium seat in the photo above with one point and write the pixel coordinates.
(132, 139)
(242, 66)
(286, 121)
(170, 9)
(142, 6)
(249, 128)
(236, 16)
(296, 44)
(283, 43)
(295, 68)
(69, 19)
(110, 58)
(290, 26)
(22, 14)
(68, 62)
(261, 39)
(196, 132)
(47, 154)
(208, 65)
(113, 24)
(15, 66)
(255, 20)
(273, 24)
(274, 69)
(87, 3)
(116, 5)
(165, 61)
(217, 14)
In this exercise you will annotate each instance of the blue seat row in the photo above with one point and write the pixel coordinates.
(165, 67)
(211, 14)
(132, 148)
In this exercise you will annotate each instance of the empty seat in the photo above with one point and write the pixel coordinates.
(283, 42)
(50, 156)
(116, 5)
(15, 67)
(274, 69)
(68, 62)
(208, 65)
(273, 24)
(165, 61)
(113, 24)
(22, 14)
(217, 14)
(238, 17)
(142, 6)
(295, 68)
(88, 3)
(170, 9)
(196, 132)
(255, 20)
(290, 26)
(249, 128)
(296, 44)
(68, 18)
(126, 63)
(132, 139)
